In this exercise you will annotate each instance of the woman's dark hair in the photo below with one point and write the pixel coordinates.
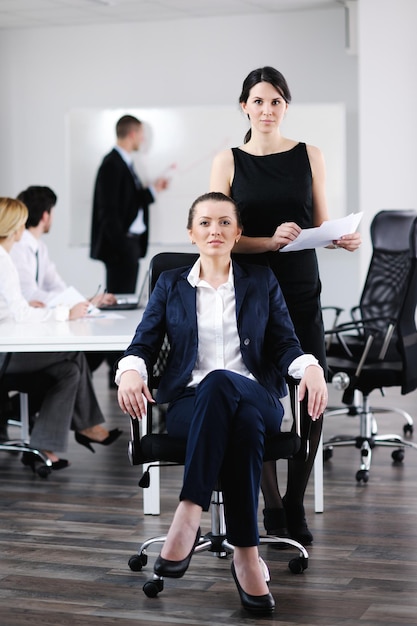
(264, 75)
(216, 196)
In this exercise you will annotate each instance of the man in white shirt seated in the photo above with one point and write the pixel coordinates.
(39, 279)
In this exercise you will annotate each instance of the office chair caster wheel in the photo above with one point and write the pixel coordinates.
(327, 454)
(152, 587)
(398, 456)
(362, 476)
(43, 471)
(408, 429)
(298, 565)
(137, 561)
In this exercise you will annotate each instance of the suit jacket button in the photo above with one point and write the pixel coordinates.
(246, 342)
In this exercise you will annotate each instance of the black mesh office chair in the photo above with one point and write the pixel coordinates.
(25, 384)
(160, 449)
(379, 347)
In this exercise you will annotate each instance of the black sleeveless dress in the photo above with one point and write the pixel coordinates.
(270, 190)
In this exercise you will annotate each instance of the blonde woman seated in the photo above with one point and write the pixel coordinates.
(232, 344)
(69, 401)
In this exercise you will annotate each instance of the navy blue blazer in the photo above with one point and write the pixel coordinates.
(115, 206)
(267, 338)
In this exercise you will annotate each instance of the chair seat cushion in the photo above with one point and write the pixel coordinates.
(373, 375)
(162, 447)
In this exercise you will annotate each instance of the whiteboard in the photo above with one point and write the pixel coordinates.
(181, 143)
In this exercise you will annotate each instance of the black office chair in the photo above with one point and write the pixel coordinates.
(159, 449)
(379, 347)
(25, 384)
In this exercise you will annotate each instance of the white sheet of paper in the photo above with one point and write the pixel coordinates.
(69, 297)
(325, 234)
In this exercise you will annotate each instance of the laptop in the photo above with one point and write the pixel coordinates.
(124, 302)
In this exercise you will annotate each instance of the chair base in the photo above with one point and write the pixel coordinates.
(22, 444)
(16, 445)
(222, 549)
(216, 543)
(356, 410)
(368, 438)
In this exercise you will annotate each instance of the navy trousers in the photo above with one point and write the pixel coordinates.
(225, 420)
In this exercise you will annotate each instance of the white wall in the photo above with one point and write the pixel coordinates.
(387, 105)
(45, 73)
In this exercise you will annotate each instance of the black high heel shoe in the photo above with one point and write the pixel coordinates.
(254, 604)
(87, 441)
(30, 459)
(175, 569)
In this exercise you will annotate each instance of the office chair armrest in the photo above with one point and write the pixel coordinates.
(337, 313)
(364, 321)
(355, 313)
(338, 333)
(370, 326)
(293, 388)
(134, 448)
(302, 443)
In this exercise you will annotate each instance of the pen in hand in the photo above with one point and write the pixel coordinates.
(101, 299)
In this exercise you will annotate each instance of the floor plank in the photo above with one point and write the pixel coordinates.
(65, 543)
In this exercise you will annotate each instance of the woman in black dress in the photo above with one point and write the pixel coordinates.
(279, 186)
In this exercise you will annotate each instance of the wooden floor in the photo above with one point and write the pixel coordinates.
(65, 543)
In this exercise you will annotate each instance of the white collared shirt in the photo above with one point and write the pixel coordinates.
(218, 338)
(39, 279)
(13, 305)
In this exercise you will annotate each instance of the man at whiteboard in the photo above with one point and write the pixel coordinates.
(119, 231)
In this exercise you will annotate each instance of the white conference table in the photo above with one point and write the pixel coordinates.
(108, 332)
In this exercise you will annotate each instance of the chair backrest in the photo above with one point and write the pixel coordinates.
(168, 261)
(385, 284)
(162, 262)
(406, 325)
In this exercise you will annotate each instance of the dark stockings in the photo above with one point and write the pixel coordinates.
(299, 469)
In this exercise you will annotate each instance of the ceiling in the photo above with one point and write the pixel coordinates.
(44, 13)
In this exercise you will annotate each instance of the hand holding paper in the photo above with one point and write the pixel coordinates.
(325, 234)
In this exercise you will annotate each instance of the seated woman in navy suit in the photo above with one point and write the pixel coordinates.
(232, 344)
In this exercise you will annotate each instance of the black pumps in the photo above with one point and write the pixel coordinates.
(175, 569)
(87, 441)
(30, 459)
(254, 604)
(288, 522)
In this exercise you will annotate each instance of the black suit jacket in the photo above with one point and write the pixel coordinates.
(267, 339)
(115, 206)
